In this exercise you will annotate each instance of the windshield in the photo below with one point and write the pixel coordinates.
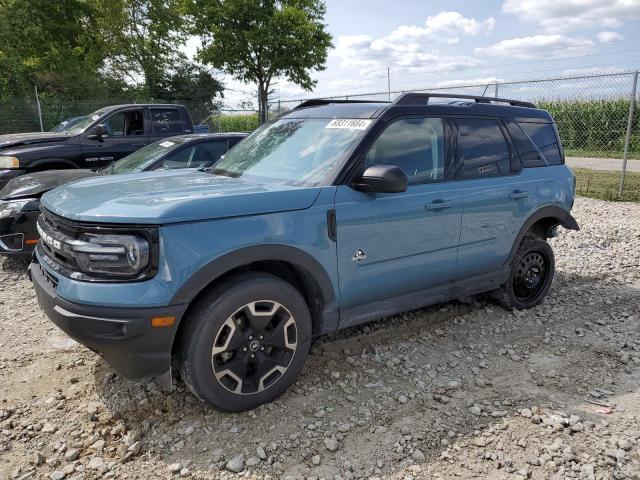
(67, 124)
(83, 123)
(143, 158)
(292, 151)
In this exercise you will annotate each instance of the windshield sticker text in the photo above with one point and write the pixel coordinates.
(349, 123)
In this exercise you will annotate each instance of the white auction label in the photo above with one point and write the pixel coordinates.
(349, 123)
(167, 144)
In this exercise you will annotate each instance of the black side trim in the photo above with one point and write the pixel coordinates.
(244, 256)
(558, 214)
(332, 228)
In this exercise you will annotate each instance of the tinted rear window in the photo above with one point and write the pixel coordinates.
(482, 150)
(543, 135)
(166, 121)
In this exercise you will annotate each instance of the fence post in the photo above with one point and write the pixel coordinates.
(627, 140)
(39, 109)
(496, 91)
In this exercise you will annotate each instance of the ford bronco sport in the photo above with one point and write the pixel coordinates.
(334, 214)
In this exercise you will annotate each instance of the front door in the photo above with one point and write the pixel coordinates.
(124, 134)
(396, 250)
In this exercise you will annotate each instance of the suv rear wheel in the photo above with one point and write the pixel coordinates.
(532, 270)
(245, 342)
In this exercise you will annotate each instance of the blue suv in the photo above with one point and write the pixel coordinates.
(334, 214)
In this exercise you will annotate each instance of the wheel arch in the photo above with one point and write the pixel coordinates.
(540, 224)
(291, 264)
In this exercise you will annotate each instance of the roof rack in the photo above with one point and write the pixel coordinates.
(326, 101)
(413, 98)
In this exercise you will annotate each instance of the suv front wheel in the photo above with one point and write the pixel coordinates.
(245, 342)
(530, 277)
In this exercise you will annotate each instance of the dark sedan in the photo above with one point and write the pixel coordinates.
(20, 198)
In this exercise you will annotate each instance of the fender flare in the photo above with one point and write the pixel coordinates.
(560, 215)
(44, 161)
(221, 265)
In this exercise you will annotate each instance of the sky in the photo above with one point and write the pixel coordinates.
(428, 43)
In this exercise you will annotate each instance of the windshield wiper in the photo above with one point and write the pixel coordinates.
(224, 173)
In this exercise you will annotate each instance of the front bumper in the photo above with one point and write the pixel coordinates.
(123, 336)
(7, 174)
(18, 234)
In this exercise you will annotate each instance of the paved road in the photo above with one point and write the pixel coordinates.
(612, 164)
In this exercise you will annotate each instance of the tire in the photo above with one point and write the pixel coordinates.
(245, 342)
(530, 277)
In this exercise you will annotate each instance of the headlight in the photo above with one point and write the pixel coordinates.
(12, 208)
(114, 255)
(9, 162)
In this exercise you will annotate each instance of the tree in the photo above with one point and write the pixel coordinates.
(193, 83)
(142, 40)
(53, 44)
(257, 41)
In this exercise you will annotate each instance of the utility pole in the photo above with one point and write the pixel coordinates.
(625, 156)
(39, 109)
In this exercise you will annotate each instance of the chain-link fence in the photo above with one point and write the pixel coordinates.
(596, 120)
(25, 115)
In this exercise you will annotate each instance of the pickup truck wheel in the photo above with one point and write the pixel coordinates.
(531, 275)
(245, 342)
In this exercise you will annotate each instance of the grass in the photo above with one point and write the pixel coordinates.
(604, 185)
(587, 153)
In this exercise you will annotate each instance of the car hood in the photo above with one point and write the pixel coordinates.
(170, 197)
(19, 139)
(35, 184)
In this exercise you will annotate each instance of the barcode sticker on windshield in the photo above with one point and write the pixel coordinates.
(167, 144)
(349, 123)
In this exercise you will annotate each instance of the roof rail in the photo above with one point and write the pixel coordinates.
(326, 101)
(414, 98)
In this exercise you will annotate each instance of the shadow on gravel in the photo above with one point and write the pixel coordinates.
(438, 373)
(17, 264)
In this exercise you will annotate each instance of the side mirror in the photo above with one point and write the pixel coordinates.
(382, 179)
(98, 133)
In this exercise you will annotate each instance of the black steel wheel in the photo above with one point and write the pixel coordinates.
(530, 277)
(245, 342)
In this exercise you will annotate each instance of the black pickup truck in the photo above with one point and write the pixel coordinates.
(104, 136)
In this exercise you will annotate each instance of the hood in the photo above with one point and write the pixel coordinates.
(162, 197)
(19, 139)
(35, 184)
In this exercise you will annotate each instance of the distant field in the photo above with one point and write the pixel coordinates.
(604, 185)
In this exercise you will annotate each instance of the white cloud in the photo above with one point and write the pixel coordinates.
(564, 15)
(534, 46)
(411, 47)
(609, 36)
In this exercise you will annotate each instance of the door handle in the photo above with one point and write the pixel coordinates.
(438, 205)
(518, 194)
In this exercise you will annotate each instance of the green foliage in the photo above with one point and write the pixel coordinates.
(594, 128)
(233, 123)
(259, 40)
(604, 184)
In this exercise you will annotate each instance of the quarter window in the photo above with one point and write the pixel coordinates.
(416, 145)
(543, 136)
(482, 150)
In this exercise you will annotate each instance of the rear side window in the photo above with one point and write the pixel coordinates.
(543, 135)
(166, 121)
(482, 151)
(208, 153)
(416, 145)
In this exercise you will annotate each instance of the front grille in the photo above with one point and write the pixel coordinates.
(56, 234)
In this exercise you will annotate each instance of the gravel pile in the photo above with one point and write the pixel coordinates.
(465, 390)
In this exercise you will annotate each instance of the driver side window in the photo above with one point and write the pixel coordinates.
(124, 124)
(416, 145)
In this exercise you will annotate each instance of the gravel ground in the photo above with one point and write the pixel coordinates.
(459, 390)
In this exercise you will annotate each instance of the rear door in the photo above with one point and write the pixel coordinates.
(395, 244)
(496, 197)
